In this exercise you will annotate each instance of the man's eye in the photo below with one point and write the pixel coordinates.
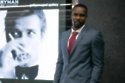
(75, 14)
(82, 15)
(16, 34)
(30, 33)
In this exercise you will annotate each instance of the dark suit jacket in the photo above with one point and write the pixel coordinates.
(85, 64)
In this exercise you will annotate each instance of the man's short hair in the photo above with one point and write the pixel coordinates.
(81, 5)
(12, 15)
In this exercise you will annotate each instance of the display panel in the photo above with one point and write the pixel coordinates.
(56, 14)
(29, 43)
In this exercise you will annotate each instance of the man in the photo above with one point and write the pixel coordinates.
(83, 63)
(24, 30)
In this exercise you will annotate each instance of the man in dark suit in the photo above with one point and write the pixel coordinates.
(82, 62)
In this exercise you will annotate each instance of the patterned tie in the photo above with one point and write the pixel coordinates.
(72, 41)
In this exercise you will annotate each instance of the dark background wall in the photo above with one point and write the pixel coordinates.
(108, 16)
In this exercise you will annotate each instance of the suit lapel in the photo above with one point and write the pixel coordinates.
(66, 37)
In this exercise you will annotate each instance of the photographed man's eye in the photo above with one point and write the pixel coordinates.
(16, 34)
(30, 33)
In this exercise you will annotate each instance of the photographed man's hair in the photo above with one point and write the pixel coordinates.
(81, 5)
(12, 15)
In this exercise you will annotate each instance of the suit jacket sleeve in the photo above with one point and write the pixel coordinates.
(97, 48)
(59, 66)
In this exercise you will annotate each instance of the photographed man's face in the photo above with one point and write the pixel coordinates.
(27, 34)
(78, 17)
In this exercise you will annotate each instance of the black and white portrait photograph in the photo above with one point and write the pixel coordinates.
(28, 43)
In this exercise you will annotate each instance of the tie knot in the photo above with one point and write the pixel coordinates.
(74, 33)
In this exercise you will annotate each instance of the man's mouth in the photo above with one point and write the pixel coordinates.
(77, 24)
(23, 57)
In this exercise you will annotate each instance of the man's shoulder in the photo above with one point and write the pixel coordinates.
(92, 29)
(92, 32)
(66, 31)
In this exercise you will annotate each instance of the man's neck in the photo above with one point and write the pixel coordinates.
(77, 29)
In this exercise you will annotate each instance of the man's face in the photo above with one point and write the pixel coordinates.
(78, 17)
(27, 31)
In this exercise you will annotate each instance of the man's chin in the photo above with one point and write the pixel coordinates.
(77, 26)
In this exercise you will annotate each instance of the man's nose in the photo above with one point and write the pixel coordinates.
(24, 40)
(24, 36)
(78, 16)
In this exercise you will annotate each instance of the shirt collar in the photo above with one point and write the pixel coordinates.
(78, 30)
